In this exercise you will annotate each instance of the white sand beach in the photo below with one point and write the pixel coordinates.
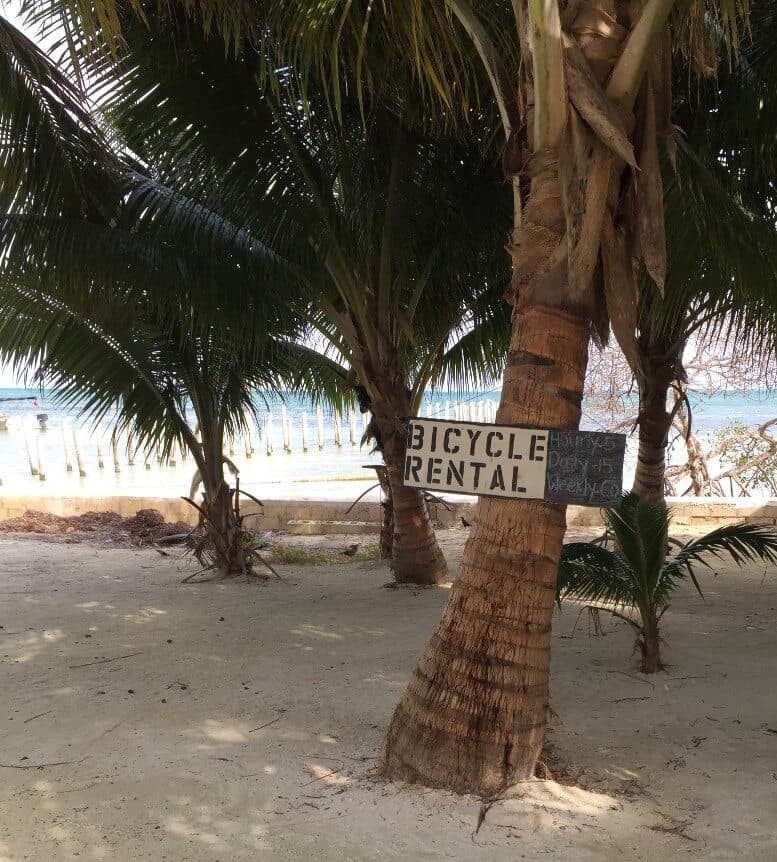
(144, 719)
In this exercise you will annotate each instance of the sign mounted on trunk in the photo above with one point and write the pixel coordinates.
(582, 467)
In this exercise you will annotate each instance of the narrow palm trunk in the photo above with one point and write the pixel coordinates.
(416, 557)
(654, 424)
(222, 546)
(387, 516)
(651, 644)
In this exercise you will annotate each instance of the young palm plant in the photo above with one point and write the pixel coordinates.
(636, 580)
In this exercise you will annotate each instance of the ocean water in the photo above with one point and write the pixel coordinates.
(24, 446)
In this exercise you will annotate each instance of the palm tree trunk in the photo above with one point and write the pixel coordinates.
(473, 716)
(654, 423)
(387, 515)
(416, 557)
(222, 545)
(651, 644)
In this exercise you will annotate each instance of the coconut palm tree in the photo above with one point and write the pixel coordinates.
(115, 320)
(638, 579)
(583, 92)
(112, 314)
(373, 214)
(722, 271)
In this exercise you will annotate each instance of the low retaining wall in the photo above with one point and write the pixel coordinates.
(324, 517)
(173, 508)
(277, 514)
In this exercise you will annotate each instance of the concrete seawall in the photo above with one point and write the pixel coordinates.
(331, 516)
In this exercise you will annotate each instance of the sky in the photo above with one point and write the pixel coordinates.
(7, 378)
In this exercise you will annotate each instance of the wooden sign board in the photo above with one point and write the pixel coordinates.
(580, 467)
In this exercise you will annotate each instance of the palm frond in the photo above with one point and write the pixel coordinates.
(53, 156)
(594, 574)
(160, 326)
(722, 261)
(475, 357)
(311, 373)
(640, 528)
(318, 195)
(720, 198)
(743, 543)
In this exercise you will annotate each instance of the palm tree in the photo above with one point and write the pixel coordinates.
(638, 577)
(372, 213)
(590, 87)
(111, 313)
(721, 272)
(111, 318)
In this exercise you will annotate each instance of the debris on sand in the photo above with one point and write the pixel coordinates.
(145, 527)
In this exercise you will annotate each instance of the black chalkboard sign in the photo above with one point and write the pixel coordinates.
(585, 468)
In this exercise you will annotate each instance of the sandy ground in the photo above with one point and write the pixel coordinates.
(147, 720)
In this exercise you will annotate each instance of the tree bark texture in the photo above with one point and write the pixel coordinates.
(698, 470)
(416, 557)
(651, 644)
(386, 515)
(473, 716)
(222, 545)
(654, 423)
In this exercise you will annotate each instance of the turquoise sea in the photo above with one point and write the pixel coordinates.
(24, 444)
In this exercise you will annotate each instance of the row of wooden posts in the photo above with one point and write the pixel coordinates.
(73, 444)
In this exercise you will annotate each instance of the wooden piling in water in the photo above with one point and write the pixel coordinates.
(79, 459)
(269, 433)
(248, 442)
(352, 425)
(41, 469)
(320, 426)
(304, 420)
(25, 436)
(130, 449)
(68, 459)
(115, 453)
(285, 430)
(338, 429)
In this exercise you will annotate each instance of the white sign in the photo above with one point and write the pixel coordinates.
(467, 458)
